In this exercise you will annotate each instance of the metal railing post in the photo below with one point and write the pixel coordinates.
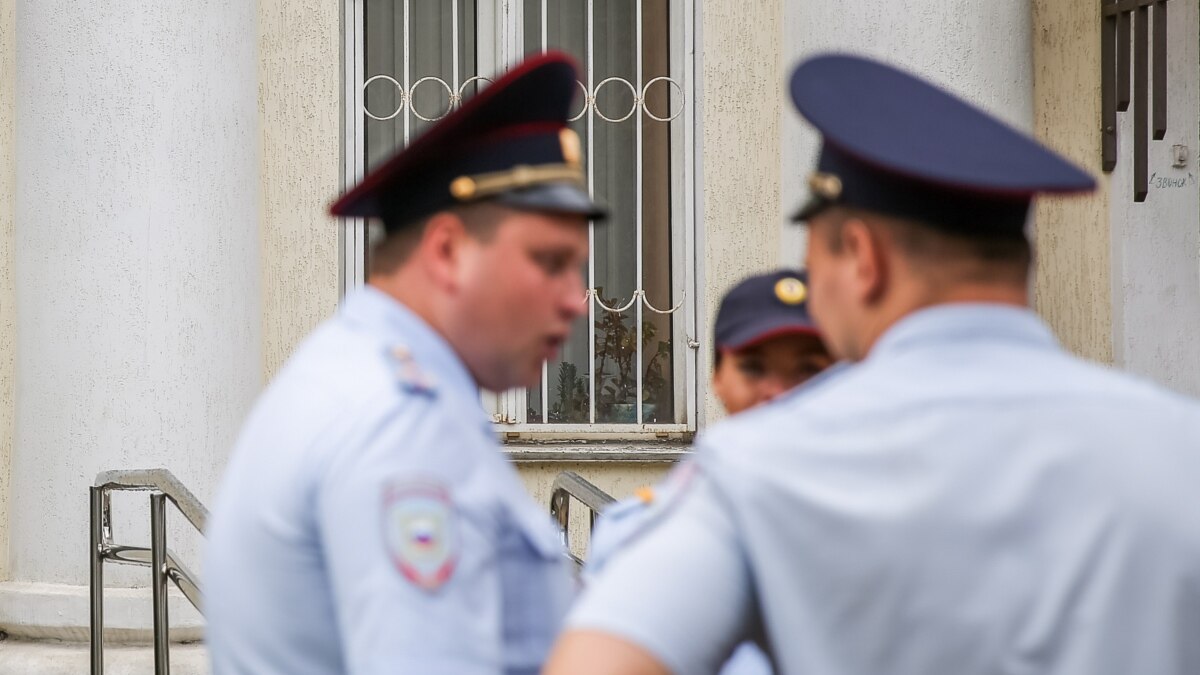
(96, 563)
(570, 485)
(158, 566)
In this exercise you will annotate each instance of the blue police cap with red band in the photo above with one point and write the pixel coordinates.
(896, 144)
(509, 143)
(762, 307)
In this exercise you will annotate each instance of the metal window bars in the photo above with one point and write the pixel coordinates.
(501, 41)
(163, 564)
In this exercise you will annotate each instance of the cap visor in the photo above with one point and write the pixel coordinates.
(812, 207)
(556, 198)
(752, 335)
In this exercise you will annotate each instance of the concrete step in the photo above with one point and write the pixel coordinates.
(19, 657)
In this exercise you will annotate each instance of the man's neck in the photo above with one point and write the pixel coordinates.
(410, 291)
(918, 299)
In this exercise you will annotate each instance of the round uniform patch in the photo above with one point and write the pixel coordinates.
(791, 291)
(420, 532)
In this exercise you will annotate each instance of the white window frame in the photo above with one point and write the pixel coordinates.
(506, 45)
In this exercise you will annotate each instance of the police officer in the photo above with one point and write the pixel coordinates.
(368, 521)
(765, 344)
(967, 497)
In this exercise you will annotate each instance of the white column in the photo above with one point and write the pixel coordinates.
(138, 292)
(979, 49)
(8, 292)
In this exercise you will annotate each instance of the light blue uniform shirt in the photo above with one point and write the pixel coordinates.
(369, 523)
(969, 499)
(618, 528)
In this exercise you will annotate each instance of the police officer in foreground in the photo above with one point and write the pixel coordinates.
(967, 498)
(368, 521)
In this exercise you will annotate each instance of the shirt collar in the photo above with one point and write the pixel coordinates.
(958, 322)
(399, 326)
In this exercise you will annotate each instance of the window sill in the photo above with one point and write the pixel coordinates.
(627, 452)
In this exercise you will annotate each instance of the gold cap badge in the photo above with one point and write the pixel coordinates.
(462, 188)
(825, 185)
(571, 148)
(791, 291)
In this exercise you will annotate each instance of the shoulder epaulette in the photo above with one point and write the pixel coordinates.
(409, 373)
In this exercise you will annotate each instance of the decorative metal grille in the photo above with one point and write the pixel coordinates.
(631, 368)
(1114, 56)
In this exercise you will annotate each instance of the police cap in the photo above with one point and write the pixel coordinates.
(762, 307)
(897, 145)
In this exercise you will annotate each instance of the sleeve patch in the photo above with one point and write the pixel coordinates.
(420, 532)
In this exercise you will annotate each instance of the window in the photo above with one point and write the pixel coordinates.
(630, 366)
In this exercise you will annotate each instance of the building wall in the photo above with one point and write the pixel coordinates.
(1156, 244)
(979, 49)
(299, 124)
(619, 479)
(741, 103)
(8, 279)
(1073, 283)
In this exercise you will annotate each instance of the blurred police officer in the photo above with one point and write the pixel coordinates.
(368, 522)
(967, 498)
(765, 344)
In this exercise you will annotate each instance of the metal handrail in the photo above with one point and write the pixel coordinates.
(164, 565)
(569, 484)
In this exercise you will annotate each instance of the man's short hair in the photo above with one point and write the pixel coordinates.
(982, 256)
(397, 247)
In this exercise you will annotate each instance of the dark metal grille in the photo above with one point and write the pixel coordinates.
(1119, 16)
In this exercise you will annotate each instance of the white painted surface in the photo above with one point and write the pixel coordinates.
(139, 340)
(979, 49)
(53, 658)
(8, 281)
(1156, 244)
(37, 611)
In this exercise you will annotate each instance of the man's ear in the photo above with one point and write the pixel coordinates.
(864, 245)
(441, 248)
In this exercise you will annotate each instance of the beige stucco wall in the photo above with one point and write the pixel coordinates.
(1072, 287)
(619, 479)
(300, 101)
(741, 96)
(8, 298)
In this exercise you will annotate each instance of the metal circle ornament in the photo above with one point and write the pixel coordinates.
(449, 97)
(791, 291)
(587, 101)
(399, 89)
(646, 108)
(632, 90)
(463, 87)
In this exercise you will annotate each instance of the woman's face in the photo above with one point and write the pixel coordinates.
(756, 374)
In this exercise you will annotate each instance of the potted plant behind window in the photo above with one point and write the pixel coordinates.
(572, 404)
(616, 366)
